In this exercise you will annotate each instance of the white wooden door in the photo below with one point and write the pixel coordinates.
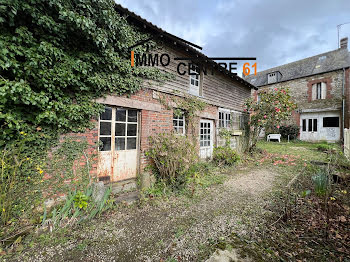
(206, 136)
(118, 134)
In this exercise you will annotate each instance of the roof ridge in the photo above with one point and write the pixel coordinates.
(300, 60)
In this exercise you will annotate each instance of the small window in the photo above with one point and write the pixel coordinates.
(224, 119)
(304, 125)
(179, 123)
(331, 122)
(243, 121)
(195, 80)
(312, 125)
(319, 91)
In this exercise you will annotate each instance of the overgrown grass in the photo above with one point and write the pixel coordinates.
(199, 176)
(306, 150)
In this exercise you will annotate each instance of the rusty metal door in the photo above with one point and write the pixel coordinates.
(206, 138)
(118, 154)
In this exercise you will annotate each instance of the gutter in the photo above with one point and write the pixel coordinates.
(343, 104)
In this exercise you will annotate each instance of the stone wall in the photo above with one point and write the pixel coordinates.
(300, 90)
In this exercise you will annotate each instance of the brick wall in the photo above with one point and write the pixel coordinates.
(152, 122)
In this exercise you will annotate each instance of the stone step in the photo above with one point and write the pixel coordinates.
(129, 197)
(124, 186)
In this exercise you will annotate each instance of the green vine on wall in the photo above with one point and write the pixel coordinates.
(56, 57)
(187, 105)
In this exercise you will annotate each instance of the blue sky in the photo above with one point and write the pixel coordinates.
(275, 32)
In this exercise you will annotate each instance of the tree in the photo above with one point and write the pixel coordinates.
(56, 57)
(269, 112)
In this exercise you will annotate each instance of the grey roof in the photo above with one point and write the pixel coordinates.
(322, 63)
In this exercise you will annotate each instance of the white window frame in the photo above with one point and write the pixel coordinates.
(319, 91)
(311, 128)
(195, 89)
(225, 121)
(176, 124)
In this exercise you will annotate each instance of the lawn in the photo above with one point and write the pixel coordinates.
(306, 150)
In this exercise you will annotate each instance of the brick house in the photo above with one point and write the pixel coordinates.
(320, 87)
(128, 121)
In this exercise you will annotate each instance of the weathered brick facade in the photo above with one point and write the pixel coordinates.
(222, 90)
(152, 122)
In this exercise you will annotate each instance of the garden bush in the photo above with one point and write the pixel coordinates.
(225, 156)
(172, 156)
(291, 130)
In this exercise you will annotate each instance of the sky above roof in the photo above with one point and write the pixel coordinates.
(275, 32)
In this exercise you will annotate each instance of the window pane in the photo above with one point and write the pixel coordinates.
(107, 114)
(180, 130)
(304, 125)
(331, 122)
(131, 143)
(120, 143)
(120, 129)
(310, 125)
(120, 115)
(181, 123)
(132, 116)
(106, 144)
(105, 128)
(315, 125)
(132, 129)
(175, 123)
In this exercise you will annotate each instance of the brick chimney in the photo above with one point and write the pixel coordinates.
(344, 43)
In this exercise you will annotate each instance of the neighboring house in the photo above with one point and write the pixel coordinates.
(320, 87)
(128, 121)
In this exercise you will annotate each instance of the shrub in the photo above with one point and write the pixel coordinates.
(324, 147)
(172, 156)
(225, 156)
(291, 130)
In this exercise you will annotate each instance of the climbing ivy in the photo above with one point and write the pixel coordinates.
(184, 104)
(56, 57)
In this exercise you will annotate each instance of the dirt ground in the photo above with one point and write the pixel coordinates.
(180, 228)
